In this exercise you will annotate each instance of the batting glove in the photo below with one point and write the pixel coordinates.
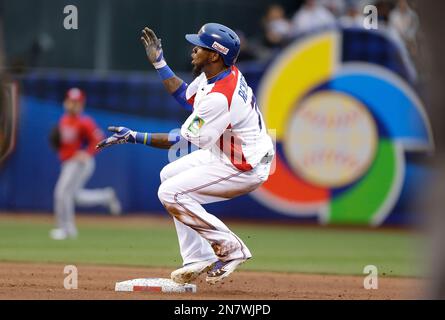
(122, 135)
(153, 48)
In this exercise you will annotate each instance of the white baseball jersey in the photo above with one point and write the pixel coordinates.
(234, 159)
(226, 120)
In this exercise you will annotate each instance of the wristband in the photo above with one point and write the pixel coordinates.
(160, 64)
(165, 72)
(143, 138)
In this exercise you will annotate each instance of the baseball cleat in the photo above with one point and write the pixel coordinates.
(191, 271)
(61, 234)
(222, 270)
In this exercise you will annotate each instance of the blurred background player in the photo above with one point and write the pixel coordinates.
(406, 22)
(77, 137)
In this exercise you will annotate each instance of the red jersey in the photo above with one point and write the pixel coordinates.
(78, 132)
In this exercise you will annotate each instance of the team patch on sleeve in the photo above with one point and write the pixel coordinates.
(195, 125)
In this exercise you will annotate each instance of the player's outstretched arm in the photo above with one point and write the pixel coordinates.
(174, 85)
(124, 135)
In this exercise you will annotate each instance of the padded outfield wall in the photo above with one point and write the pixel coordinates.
(381, 192)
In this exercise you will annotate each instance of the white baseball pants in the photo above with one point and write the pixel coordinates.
(69, 192)
(199, 178)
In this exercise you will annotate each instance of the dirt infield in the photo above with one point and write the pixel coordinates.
(45, 281)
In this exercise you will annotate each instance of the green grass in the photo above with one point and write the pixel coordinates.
(275, 248)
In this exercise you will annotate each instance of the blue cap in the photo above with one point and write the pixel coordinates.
(219, 38)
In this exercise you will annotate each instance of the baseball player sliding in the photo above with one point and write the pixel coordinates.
(73, 131)
(234, 156)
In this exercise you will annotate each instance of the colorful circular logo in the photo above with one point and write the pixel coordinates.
(342, 128)
(331, 139)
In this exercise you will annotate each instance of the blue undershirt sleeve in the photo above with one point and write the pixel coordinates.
(179, 95)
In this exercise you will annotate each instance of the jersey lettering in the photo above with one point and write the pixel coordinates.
(255, 107)
(243, 89)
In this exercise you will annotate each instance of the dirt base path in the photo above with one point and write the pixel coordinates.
(45, 281)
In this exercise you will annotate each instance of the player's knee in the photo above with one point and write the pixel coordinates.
(165, 193)
(165, 173)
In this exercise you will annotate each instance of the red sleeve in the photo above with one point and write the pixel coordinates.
(92, 134)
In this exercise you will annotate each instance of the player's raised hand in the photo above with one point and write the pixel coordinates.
(121, 135)
(153, 48)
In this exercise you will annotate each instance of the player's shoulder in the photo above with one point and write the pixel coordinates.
(227, 85)
(199, 80)
(214, 103)
(194, 86)
(87, 120)
(85, 117)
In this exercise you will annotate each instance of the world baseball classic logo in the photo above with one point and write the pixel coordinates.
(343, 126)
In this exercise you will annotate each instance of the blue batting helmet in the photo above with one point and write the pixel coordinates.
(219, 38)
